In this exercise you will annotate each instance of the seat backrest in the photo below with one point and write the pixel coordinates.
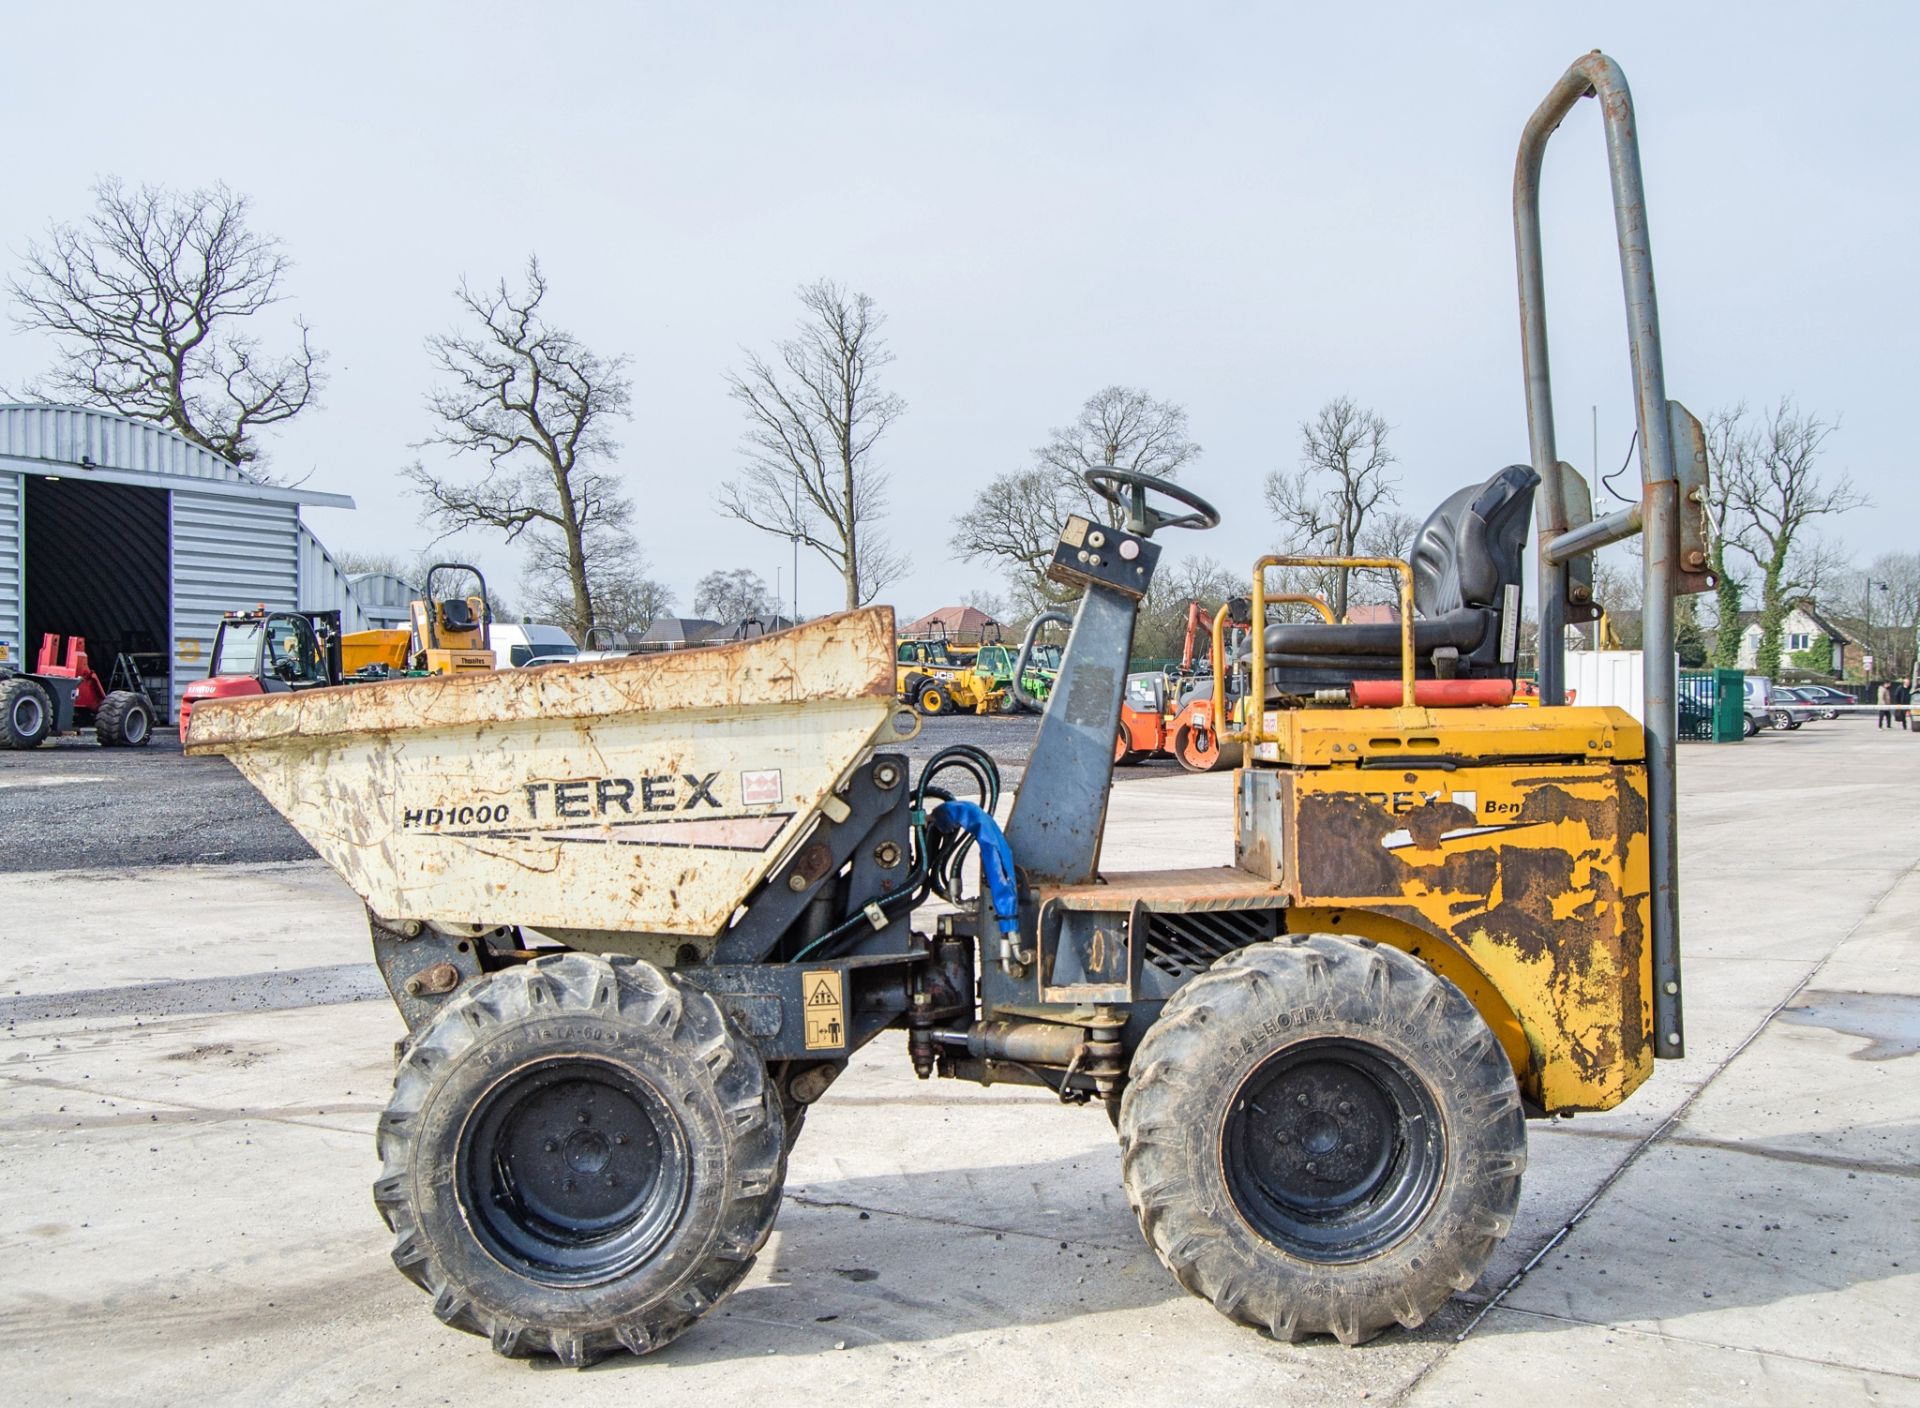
(456, 614)
(1470, 547)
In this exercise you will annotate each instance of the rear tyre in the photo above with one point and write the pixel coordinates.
(123, 720)
(1751, 726)
(27, 713)
(1124, 755)
(581, 1155)
(935, 700)
(1322, 1136)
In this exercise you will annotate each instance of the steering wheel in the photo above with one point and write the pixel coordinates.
(1127, 490)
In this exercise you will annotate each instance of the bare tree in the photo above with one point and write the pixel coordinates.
(624, 596)
(1728, 441)
(815, 413)
(993, 604)
(733, 596)
(1342, 481)
(533, 401)
(1776, 491)
(1881, 607)
(1015, 520)
(1160, 631)
(1119, 427)
(144, 302)
(358, 564)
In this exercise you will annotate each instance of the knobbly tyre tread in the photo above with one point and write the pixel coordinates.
(719, 1069)
(110, 720)
(11, 690)
(1194, 1058)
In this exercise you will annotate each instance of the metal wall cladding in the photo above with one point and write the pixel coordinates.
(76, 435)
(228, 553)
(12, 567)
(384, 599)
(324, 587)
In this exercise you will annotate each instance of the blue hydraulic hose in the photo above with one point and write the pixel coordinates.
(996, 856)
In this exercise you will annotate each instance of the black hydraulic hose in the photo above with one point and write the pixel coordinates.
(936, 862)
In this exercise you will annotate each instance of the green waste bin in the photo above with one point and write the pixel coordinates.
(1713, 706)
(1729, 706)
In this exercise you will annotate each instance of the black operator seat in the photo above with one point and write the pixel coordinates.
(1466, 564)
(456, 614)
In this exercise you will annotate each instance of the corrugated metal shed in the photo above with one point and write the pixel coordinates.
(385, 600)
(88, 443)
(226, 555)
(324, 587)
(229, 542)
(13, 563)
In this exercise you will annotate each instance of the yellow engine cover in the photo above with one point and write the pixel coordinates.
(1506, 847)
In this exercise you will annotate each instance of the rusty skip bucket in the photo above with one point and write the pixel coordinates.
(638, 795)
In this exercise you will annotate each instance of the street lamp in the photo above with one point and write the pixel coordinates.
(1873, 582)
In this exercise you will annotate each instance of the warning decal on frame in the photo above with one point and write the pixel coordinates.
(826, 1010)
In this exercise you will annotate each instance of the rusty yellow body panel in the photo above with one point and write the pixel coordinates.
(1515, 863)
(1328, 737)
(646, 794)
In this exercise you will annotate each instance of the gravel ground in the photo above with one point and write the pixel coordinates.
(71, 805)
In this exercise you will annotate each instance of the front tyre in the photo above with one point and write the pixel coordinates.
(123, 720)
(581, 1155)
(1322, 1136)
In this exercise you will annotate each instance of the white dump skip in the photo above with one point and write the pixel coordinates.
(647, 794)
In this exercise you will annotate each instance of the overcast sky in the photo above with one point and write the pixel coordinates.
(1244, 209)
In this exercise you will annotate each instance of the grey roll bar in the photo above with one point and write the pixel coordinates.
(1020, 695)
(1657, 517)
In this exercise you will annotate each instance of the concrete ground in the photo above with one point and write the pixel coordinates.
(193, 1059)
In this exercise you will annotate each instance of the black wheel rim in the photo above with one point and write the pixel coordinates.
(572, 1171)
(1333, 1149)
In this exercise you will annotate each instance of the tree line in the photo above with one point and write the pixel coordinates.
(150, 304)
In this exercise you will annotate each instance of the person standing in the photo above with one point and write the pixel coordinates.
(1883, 696)
(1901, 698)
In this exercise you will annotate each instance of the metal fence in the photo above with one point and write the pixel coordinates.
(1712, 706)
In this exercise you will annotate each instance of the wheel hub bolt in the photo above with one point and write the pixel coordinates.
(585, 1118)
(1347, 1149)
(1310, 1167)
(1301, 1098)
(1346, 1107)
(568, 1185)
(619, 1138)
(552, 1145)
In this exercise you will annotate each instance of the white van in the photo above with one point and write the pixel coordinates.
(529, 643)
(1759, 703)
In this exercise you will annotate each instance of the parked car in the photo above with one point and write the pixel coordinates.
(1758, 690)
(530, 642)
(1824, 697)
(1789, 707)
